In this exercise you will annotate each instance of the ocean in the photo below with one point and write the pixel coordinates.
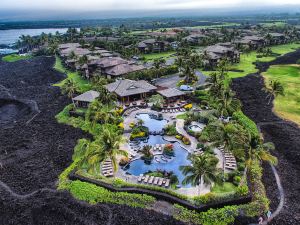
(9, 37)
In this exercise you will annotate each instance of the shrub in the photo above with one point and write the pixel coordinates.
(121, 126)
(237, 180)
(169, 149)
(242, 190)
(200, 145)
(248, 124)
(170, 130)
(188, 106)
(94, 194)
(186, 141)
(204, 199)
(178, 136)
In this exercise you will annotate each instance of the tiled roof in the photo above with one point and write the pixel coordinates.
(130, 87)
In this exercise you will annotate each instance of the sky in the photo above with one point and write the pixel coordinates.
(111, 5)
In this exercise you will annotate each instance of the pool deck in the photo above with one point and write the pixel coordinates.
(170, 117)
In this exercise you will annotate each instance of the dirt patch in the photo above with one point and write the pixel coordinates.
(285, 135)
(32, 155)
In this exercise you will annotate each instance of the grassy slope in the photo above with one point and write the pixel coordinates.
(247, 59)
(15, 57)
(82, 84)
(288, 106)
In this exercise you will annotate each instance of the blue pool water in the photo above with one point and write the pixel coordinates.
(180, 158)
(152, 124)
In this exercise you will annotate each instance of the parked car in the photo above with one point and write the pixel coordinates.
(186, 88)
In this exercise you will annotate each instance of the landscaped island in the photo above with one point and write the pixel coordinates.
(162, 130)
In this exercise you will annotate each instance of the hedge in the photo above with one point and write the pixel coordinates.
(247, 123)
(94, 194)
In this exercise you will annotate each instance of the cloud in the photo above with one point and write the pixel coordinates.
(98, 5)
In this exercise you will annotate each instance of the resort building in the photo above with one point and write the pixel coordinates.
(196, 39)
(252, 42)
(213, 54)
(131, 90)
(85, 99)
(171, 94)
(113, 67)
(277, 39)
(152, 45)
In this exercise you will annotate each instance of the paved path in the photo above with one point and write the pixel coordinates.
(180, 129)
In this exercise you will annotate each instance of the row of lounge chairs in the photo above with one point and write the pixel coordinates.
(173, 110)
(107, 168)
(229, 160)
(162, 182)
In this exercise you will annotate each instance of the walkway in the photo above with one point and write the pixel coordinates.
(180, 129)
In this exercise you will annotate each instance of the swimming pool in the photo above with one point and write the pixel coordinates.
(180, 158)
(196, 127)
(151, 123)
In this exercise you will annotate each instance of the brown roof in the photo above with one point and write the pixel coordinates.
(122, 69)
(69, 45)
(130, 87)
(170, 92)
(109, 62)
(88, 96)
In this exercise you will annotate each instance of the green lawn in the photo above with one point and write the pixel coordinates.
(15, 57)
(83, 84)
(247, 59)
(288, 106)
(272, 24)
(153, 56)
(227, 187)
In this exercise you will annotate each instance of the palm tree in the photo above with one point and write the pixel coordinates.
(99, 113)
(232, 136)
(88, 154)
(261, 151)
(157, 100)
(69, 87)
(274, 89)
(110, 143)
(203, 170)
(227, 103)
(180, 63)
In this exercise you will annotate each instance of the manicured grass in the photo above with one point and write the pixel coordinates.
(284, 49)
(227, 24)
(246, 65)
(15, 57)
(82, 84)
(227, 187)
(272, 24)
(182, 116)
(288, 106)
(153, 56)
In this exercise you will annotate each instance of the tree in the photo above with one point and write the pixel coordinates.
(260, 151)
(231, 135)
(202, 170)
(274, 89)
(157, 100)
(110, 143)
(88, 154)
(69, 87)
(227, 103)
(106, 97)
(99, 113)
